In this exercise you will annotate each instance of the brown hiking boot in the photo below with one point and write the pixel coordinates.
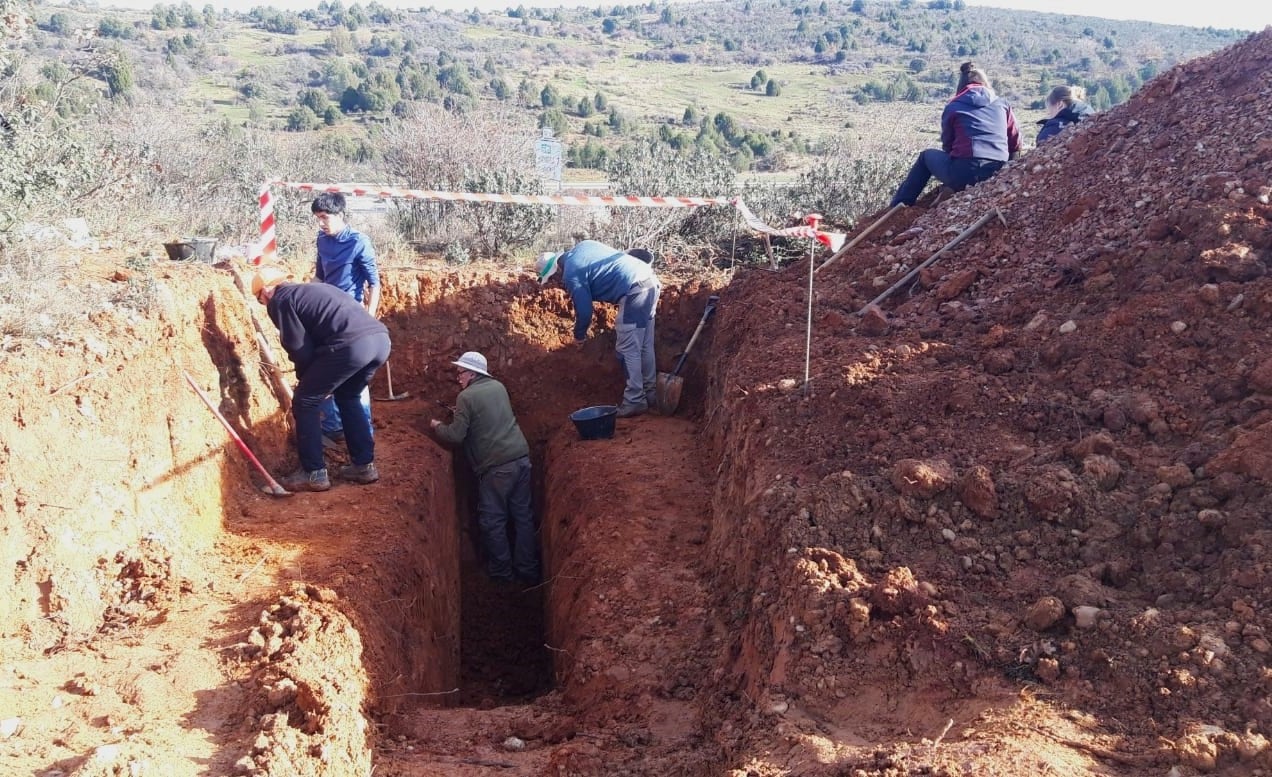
(300, 480)
(359, 473)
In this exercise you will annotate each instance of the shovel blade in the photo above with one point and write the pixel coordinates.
(667, 392)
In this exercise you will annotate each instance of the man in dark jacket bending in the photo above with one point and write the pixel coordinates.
(497, 450)
(336, 346)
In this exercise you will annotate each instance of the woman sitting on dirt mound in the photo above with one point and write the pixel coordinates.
(1065, 107)
(978, 136)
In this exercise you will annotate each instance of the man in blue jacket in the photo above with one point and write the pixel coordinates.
(346, 260)
(978, 136)
(594, 272)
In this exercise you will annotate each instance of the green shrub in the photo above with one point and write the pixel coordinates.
(650, 168)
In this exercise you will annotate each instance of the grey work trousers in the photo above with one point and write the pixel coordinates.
(503, 496)
(635, 341)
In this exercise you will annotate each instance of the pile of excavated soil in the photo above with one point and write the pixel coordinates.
(1014, 524)
(1046, 461)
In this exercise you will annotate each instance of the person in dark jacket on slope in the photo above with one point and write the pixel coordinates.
(978, 136)
(336, 346)
(1065, 106)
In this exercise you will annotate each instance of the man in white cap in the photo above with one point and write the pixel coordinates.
(594, 272)
(336, 346)
(497, 450)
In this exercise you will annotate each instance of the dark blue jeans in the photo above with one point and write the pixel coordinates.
(331, 419)
(958, 174)
(343, 373)
(503, 494)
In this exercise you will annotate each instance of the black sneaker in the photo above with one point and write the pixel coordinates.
(359, 473)
(300, 480)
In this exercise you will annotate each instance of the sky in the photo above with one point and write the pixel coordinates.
(1239, 14)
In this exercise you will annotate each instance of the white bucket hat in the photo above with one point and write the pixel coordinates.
(473, 362)
(548, 263)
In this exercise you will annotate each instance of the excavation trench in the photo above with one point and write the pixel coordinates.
(310, 635)
(615, 631)
(706, 602)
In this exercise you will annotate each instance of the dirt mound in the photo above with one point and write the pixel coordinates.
(1049, 451)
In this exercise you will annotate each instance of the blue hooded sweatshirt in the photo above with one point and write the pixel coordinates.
(594, 272)
(346, 260)
(1070, 114)
(978, 124)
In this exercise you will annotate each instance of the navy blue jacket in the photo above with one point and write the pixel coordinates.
(978, 124)
(316, 317)
(1070, 114)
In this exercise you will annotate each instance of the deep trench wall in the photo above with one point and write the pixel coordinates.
(757, 501)
(105, 444)
(106, 454)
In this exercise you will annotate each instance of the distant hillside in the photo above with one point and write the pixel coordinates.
(760, 82)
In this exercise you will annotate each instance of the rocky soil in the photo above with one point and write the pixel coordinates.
(1047, 458)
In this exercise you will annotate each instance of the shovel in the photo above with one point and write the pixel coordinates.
(667, 392)
(388, 375)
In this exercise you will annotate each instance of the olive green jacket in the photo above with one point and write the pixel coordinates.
(485, 425)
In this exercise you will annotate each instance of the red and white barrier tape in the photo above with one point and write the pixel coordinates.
(268, 245)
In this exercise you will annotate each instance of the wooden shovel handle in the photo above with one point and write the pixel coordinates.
(711, 305)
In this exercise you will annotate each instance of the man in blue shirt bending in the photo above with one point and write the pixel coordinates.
(346, 260)
(594, 272)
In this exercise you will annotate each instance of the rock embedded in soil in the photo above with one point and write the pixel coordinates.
(1044, 613)
(1085, 617)
(977, 492)
(921, 479)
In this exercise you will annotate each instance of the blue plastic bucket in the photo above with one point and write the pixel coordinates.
(596, 422)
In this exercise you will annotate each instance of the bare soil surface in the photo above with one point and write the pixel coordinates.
(1016, 523)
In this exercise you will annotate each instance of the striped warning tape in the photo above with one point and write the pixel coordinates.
(268, 245)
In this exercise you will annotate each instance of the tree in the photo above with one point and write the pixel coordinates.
(772, 89)
(609, 26)
(315, 100)
(302, 119)
(691, 116)
(554, 120)
(454, 78)
(339, 42)
(59, 24)
(858, 7)
(549, 97)
(110, 27)
(117, 72)
(526, 94)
